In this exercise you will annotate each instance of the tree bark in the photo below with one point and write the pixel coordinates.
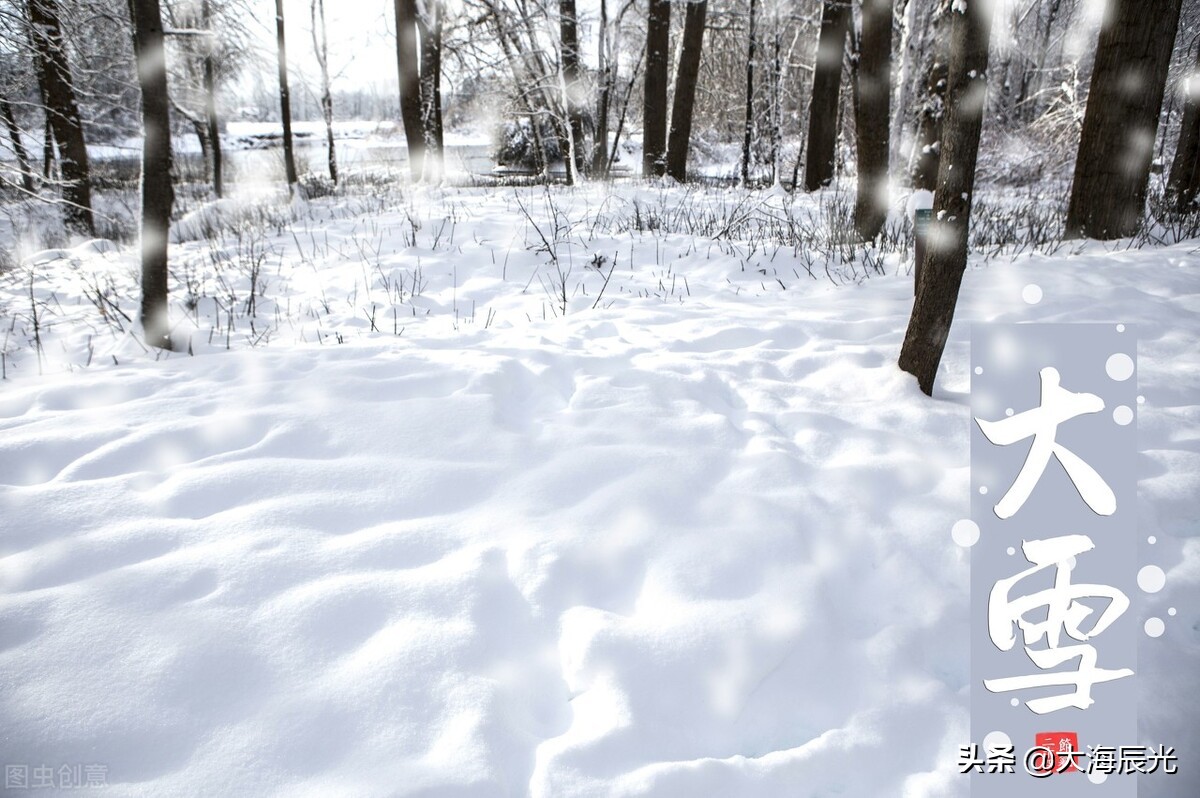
(285, 98)
(157, 193)
(1183, 184)
(946, 253)
(62, 111)
(684, 102)
(823, 110)
(654, 116)
(210, 106)
(748, 127)
(1116, 145)
(926, 157)
(603, 97)
(321, 47)
(14, 134)
(429, 26)
(572, 89)
(873, 117)
(407, 61)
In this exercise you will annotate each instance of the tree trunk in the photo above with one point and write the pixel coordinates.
(407, 61)
(14, 134)
(285, 99)
(48, 148)
(603, 97)
(1116, 145)
(873, 117)
(321, 47)
(946, 254)
(1184, 182)
(926, 157)
(823, 110)
(210, 107)
(54, 78)
(572, 89)
(429, 26)
(685, 89)
(748, 127)
(654, 116)
(157, 193)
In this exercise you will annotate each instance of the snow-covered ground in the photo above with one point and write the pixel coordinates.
(432, 529)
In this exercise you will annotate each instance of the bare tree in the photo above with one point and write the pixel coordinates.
(1116, 146)
(14, 135)
(572, 85)
(654, 114)
(1184, 183)
(285, 97)
(748, 128)
(873, 83)
(946, 257)
(210, 103)
(62, 112)
(408, 64)
(605, 76)
(827, 80)
(321, 47)
(429, 28)
(926, 157)
(157, 192)
(684, 101)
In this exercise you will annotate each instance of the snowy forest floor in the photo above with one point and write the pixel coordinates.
(581, 492)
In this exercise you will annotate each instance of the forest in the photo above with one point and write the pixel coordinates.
(562, 397)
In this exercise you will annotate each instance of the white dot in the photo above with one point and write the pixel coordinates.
(1120, 328)
(1032, 294)
(965, 532)
(1016, 702)
(1008, 411)
(1152, 540)
(996, 739)
(1151, 579)
(979, 369)
(1155, 627)
(1011, 551)
(1171, 611)
(1122, 414)
(983, 490)
(1096, 777)
(1141, 400)
(1119, 367)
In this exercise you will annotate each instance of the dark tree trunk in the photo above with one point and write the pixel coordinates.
(285, 98)
(603, 97)
(654, 116)
(157, 193)
(210, 106)
(685, 89)
(827, 80)
(14, 134)
(62, 110)
(748, 127)
(1116, 145)
(569, 35)
(408, 61)
(926, 157)
(321, 47)
(48, 149)
(429, 26)
(1183, 185)
(874, 89)
(946, 256)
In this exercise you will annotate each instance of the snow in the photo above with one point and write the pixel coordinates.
(683, 541)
